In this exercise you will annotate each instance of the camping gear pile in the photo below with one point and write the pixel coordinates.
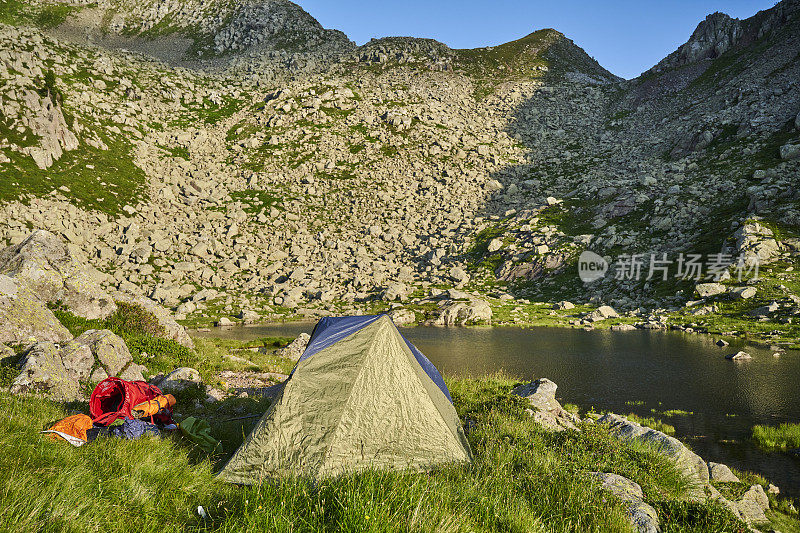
(129, 410)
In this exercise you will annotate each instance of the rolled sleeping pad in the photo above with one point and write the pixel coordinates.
(154, 406)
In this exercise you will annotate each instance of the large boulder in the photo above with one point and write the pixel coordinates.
(403, 317)
(642, 516)
(790, 151)
(464, 313)
(59, 372)
(739, 356)
(752, 505)
(43, 372)
(541, 394)
(24, 318)
(706, 290)
(46, 266)
(756, 244)
(172, 329)
(396, 291)
(178, 380)
(78, 359)
(296, 348)
(107, 349)
(603, 312)
(688, 461)
(720, 472)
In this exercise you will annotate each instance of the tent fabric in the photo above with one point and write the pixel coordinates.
(331, 330)
(362, 402)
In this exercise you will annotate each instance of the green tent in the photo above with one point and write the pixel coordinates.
(361, 397)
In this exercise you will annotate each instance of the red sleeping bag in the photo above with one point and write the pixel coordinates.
(113, 398)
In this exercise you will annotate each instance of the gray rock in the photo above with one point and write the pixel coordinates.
(765, 310)
(458, 275)
(722, 343)
(396, 291)
(720, 472)
(547, 411)
(752, 505)
(179, 380)
(706, 290)
(296, 348)
(464, 313)
(45, 265)
(43, 372)
(602, 313)
(756, 244)
(98, 375)
(494, 245)
(402, 317)
(744, 293)
(563, 305)
(78, 359)
(24, 318)
(688, 461)
(790, 151)
(225, 322)
(249, 317)
(134, 372)
(109, 349)
(739, 356)
(642, 516)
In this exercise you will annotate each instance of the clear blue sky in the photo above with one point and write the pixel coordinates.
(626, 36)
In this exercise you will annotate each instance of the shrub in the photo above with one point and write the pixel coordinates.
(127, 321)
(133, 319)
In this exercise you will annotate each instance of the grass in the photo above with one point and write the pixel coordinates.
(652, 423)
(523, 479)
(256, 201)
(782, 437)
(15, 13)
(105, 180)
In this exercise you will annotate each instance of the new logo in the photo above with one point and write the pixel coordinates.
(591, 267)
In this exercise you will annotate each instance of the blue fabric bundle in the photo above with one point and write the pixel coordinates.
(134, 429)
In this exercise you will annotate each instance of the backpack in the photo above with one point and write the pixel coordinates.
(113, 398)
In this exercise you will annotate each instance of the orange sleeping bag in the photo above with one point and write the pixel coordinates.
(75, 426)
(154, 406)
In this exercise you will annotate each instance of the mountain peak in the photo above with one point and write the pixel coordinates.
(719, 33)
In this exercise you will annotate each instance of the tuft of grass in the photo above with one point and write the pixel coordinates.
(782, 437)
(691, 517)
(652, 423)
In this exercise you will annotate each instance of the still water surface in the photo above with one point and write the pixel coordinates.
(635, 371)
